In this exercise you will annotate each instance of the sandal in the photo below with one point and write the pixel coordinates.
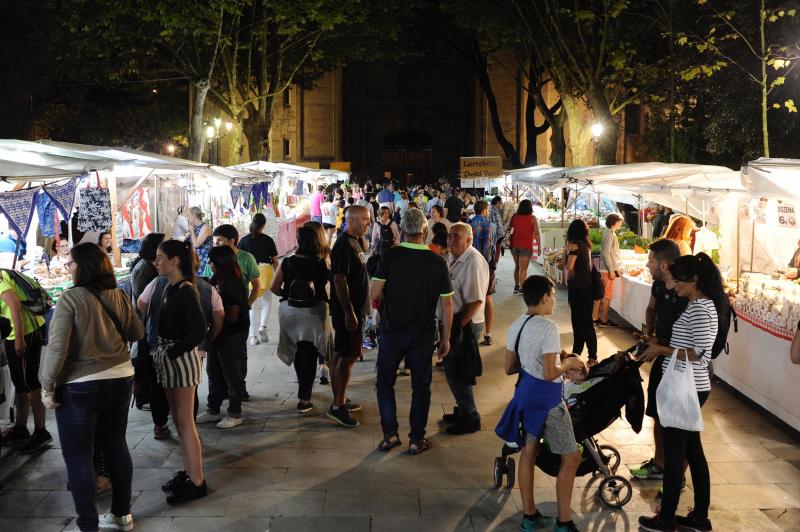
(389, 443)
(419, 446)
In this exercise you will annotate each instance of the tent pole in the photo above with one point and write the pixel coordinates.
(752, 244)
(738, 239)
(112, 190)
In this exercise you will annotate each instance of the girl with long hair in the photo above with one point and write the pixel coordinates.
(579, 289)
(524, 230)
(680, 231)
(199, 236)
(263, 248)
(181, 328)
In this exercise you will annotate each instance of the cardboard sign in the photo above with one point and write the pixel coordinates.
(467, 183)
(481, 167)
(787, 216)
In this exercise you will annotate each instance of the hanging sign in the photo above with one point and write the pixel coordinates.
(787, 216)
(475, 167)
(18, 208)
(467, 183)
(246, 191)
(236, 193)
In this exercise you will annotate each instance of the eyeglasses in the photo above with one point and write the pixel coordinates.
(69, 264)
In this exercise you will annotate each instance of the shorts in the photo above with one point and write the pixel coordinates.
(348, 344)
(328, 226)
(557, 431)
(656, 372)
(492, 282)
(608, 286)
(186, 370)
(522, 252)
(25, 370)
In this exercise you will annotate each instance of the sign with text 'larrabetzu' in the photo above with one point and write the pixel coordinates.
(481, 167)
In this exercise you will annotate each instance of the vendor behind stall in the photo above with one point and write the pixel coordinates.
(794, 264)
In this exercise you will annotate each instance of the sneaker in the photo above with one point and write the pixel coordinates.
(229, 422)
(188, 491)
(369, 343)
(455, 417)
(655, 524)
(487, 340)
(660, 493)
(538, 521)
(263, 336)
(246, 397)
(15, 435)
(38, 440)
(596, 322)
(208, 417)
(648, 471)
(342, 417)
(464, 426)
(351, 406)
(304, 406)
(324, 380)
(608, 323)
(690, 523)
(179, 478)
(253, 340)
(516, 289)
(160, 433)
(109, 520)
(569, 526)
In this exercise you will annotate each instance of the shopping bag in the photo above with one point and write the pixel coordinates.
(676, 397)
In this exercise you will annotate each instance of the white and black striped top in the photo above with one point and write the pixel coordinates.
(696, 329)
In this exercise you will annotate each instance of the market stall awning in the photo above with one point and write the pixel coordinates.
(127, 156)
(777, 178)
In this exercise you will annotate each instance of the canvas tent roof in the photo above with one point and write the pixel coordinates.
(778, 178)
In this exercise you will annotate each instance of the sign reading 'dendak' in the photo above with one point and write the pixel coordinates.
(481, 167)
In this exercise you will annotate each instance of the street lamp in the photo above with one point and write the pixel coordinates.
(228, 126)
(171, 149)
(213, 134)
(597, 131)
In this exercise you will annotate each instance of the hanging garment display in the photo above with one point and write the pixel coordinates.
(136, 215)
(236, 194)
(46, 212)
(265, 193)
(246, 191)
(63, 196)
(95, 210)
(18, 208)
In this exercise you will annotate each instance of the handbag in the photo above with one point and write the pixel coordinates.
(505, 243)
(676, 397)
(598, 290)
(95, 209)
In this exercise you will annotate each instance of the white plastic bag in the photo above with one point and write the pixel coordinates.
(676, 398)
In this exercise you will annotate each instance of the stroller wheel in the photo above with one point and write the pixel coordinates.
(511, 471)
(615, 491)
(610, 456)
(499, 471)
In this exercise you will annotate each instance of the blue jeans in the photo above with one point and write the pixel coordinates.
(88, 410)
(415, 344)
(226, 364)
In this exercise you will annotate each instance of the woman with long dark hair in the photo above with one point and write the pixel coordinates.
(181, 328)
(579, 289)
(524, 230)
(87, 376)
(105, 241)
(697, 279)
(227, 353)
(263, 248)
(305, 323)
(199, 236)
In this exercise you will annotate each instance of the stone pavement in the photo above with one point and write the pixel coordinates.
(285, 471)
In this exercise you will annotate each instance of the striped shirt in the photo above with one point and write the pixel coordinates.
(696, 329)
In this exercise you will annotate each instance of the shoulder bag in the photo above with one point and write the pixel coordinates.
(676, 397)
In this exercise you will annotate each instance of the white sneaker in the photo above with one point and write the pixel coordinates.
(262, 334)
(229, 422)
(253, 340)
(109, 520)
(207, 417)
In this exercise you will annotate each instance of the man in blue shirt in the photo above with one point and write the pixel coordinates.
(386, 197)
(483, 239)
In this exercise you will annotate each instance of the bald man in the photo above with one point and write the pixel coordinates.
(348, 302)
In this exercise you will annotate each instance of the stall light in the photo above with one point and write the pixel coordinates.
(210, 132)
(217, 122)
(229, 126)
(597, 130)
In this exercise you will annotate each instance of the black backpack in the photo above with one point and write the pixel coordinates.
(726, 314)
(386, 237)
(37, 300)
(301, 293)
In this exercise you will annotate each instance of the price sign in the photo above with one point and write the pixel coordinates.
(787, 216)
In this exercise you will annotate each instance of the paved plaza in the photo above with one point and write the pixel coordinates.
(283, 471)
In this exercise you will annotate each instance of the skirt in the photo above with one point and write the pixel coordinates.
(186, 370)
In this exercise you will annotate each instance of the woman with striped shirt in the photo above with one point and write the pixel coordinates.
(696, 278)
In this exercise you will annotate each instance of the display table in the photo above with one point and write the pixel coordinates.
(758, 366)
(630, 299)
(550, 238)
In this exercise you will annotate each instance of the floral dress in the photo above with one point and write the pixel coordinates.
(202, 249)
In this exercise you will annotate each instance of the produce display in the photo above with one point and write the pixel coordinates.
(774, 303)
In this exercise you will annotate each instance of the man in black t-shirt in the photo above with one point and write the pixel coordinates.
(410, 281)
(453, 207)
(349, 293)
(663, 310)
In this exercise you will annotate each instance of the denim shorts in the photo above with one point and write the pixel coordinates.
(522, 252)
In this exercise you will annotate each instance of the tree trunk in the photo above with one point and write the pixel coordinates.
(558, 145)
(672, 81)
(532, 132)
(606, 149)
(579, 131)
(197, 140)
(764, 91)
(256, 127)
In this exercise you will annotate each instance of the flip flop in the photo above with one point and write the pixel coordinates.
(389, 443)
(419, 446)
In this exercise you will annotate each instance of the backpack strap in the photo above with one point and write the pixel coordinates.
(519, 334)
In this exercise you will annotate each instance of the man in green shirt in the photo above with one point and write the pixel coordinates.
(227, 235)
(22, 336)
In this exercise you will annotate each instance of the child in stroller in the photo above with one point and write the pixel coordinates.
(594, 403)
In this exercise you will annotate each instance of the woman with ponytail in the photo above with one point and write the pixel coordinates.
(263, 248)
(181, 328)
(696, 278)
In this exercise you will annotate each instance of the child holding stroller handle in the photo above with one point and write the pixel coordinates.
(533, 352)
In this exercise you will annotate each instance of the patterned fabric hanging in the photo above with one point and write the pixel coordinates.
(46, 211)
(246, 191)
(95, 210)
(63, 196)
(18, 208)
(257, 195)
(265, 192)
(236, 194)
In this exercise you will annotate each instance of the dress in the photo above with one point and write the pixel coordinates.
(202, 249)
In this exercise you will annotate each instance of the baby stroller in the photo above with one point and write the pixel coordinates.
(593, 411)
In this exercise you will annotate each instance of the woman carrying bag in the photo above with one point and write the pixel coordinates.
(696, 278)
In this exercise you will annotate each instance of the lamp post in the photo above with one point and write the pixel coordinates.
(214, 133)
(597, 132)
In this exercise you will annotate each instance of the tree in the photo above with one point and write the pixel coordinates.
(737, 36)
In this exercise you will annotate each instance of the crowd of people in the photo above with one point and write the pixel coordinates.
(206, 295)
